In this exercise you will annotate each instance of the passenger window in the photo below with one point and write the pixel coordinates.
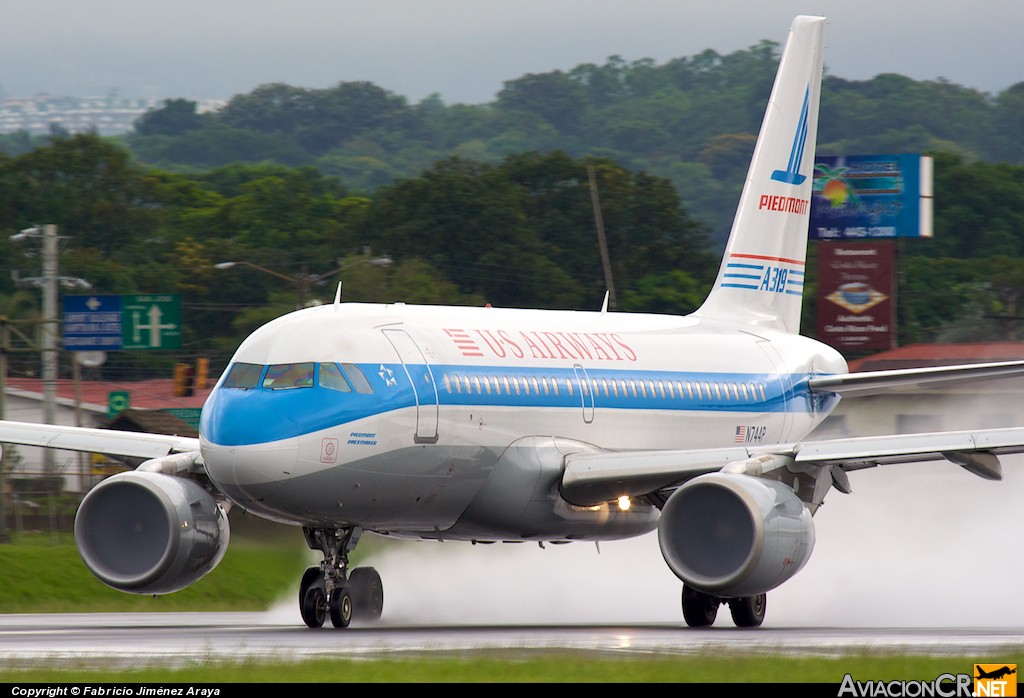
(332, 377)
(358, 378)
(286, 376)
(243, 376)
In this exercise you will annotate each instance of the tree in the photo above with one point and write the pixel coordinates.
(175, 117)
(555, 97)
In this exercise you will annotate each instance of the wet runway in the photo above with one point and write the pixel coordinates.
(178, 638)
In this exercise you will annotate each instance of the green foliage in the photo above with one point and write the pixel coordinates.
(492, 203)
(523, 666)
(705, 109)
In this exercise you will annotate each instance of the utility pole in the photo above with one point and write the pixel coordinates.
(602, 243)
(5, 347)
(50, 326)
(51, 330)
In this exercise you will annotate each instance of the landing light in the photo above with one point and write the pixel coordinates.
(624, 503)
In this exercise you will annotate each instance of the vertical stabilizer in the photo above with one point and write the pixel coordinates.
(762, 275)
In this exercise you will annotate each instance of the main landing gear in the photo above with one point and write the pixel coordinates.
(700, 609)
(329, 590)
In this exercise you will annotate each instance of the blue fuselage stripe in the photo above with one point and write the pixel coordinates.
(258, 415)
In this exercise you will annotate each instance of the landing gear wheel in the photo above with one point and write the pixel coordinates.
(367, 593)
(314, 607)
(699, 609)
(311, 576)
(341, 607)
(748, 611)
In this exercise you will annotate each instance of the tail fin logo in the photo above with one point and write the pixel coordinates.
(791, 175)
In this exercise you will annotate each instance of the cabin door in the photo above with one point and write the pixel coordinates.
(423, 385)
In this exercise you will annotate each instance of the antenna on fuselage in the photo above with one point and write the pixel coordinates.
(604, 306)
(337, 296)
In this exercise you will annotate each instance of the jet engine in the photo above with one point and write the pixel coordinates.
(149, 533)
(735, 535)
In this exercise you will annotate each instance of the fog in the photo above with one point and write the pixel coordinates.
(922, 545)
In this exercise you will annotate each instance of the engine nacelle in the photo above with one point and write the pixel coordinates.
(735, 535)
(148, 533)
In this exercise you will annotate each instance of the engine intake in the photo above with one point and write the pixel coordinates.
(735, 535)
(148, 533)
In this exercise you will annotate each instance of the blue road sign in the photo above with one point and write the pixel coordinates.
(92, 323)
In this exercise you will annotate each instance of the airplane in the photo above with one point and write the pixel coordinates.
(996, 673)
(492, 424)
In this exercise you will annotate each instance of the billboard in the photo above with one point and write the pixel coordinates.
(856, 295)
(864, 197)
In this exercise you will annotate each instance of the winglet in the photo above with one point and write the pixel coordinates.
(761, 279)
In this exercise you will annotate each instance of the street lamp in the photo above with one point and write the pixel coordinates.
(303, 282)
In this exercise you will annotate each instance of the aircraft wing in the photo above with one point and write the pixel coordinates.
(868, 382)
(590, 478)
(107, 441)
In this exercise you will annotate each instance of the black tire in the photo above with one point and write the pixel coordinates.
(314, 607)
(699, 609)
(367, 593)
(340, 607)
(748, 611)
(311, 576)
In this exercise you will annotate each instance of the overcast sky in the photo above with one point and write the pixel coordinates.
(465, 49)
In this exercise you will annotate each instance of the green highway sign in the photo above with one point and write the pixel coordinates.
(151, 321)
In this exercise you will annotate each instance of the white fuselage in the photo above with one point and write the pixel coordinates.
(450, 393)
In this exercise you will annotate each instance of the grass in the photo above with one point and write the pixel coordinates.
(523, 666)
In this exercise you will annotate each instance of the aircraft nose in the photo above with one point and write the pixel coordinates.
(246, 418)
(248, 439)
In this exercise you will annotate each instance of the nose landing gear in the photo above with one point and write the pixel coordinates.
(329, 589)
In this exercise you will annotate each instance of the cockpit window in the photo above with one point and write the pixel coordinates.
(332, 377)
(358, 378)
(285, 376)
(243, 376)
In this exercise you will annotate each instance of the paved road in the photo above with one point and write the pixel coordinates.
(176, 638)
